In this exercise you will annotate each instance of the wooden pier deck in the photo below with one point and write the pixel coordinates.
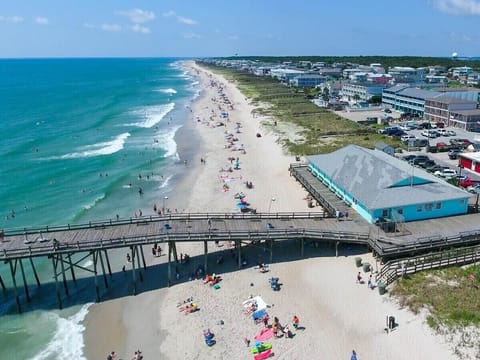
(95, 239)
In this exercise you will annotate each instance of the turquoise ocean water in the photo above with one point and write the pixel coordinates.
(79, 139)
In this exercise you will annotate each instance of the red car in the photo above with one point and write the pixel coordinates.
(441, 144)
(467, 182)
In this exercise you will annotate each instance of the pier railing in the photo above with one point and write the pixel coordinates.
(394, 269)
(389, 248)
(308, 186)
(165, 218)
(55, 247)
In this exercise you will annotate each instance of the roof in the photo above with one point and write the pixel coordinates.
(451, 100)
(379, 181)
(418, 93)
(397, 88)
(471, 155)
(466, 112)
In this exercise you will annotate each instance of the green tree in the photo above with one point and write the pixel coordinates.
(325, 94)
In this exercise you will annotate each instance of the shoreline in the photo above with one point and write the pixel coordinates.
(338, 315)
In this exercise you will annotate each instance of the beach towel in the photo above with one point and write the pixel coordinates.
(263, 355)
(261, 348)
(264, 334)
(259, 314)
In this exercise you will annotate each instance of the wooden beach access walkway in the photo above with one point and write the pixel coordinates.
(70, 245)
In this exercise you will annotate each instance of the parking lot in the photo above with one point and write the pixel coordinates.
(440, 158)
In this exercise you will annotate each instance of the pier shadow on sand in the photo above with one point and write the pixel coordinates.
(221, 260)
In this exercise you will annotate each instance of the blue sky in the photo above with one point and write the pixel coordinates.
(194, 28)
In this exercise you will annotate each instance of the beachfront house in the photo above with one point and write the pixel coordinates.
(379, 186)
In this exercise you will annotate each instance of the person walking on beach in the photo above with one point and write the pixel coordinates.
(112, 356)
(359, 278)
(354, 355)
(295, 322)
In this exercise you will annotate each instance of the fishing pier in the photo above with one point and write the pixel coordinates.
(70, 245)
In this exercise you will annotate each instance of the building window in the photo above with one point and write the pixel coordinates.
(419, 208)
(438, 205)
(400, 211)
(384, 213)
(428, 207)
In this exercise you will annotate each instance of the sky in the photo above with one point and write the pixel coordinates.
(214, 28)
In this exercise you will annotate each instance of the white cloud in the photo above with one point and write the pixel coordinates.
(185, 20)
(459, 37)
(191, 35)
(111, 27)
(104, 27)
(138, 16)
(140, 29)
(169, 13)
(40, 20)
(11, 19)
(180, 19)
(458, 7)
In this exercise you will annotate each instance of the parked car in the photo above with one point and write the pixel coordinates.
(453, 153)
(424, 125)
(408, 158)
(463, 143)
(429, 133)
(467, 182)
(474, 189)
(419, 160)
(420, 142)
(451, 133)
(440, 144)
(436, 167)
(446, 173)
(408, 137)
(387, 130)
(427, 164)
(440, 124)
(388, 111)
(442, 132)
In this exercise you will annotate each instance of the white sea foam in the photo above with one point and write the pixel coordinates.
(99, 149)
(152, 115)
(166, 139)
(167, 91)
(94, 202)
(165, 181)
(88, 263)
(67, 343)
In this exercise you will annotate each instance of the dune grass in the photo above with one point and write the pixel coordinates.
(323, 131)
(448, 294)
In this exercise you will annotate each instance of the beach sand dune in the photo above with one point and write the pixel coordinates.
(336, 314)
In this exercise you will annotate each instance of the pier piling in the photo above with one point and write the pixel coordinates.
(25, 285)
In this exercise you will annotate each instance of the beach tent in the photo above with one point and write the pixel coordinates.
(256, 300)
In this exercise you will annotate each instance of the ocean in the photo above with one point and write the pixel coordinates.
(82, 139)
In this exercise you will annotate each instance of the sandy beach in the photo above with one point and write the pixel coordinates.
(336, 314)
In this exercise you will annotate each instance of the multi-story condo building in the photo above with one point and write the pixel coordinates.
(361, 92)
(449, 110)
(401, 74)
(407, 99)
(308, 80)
